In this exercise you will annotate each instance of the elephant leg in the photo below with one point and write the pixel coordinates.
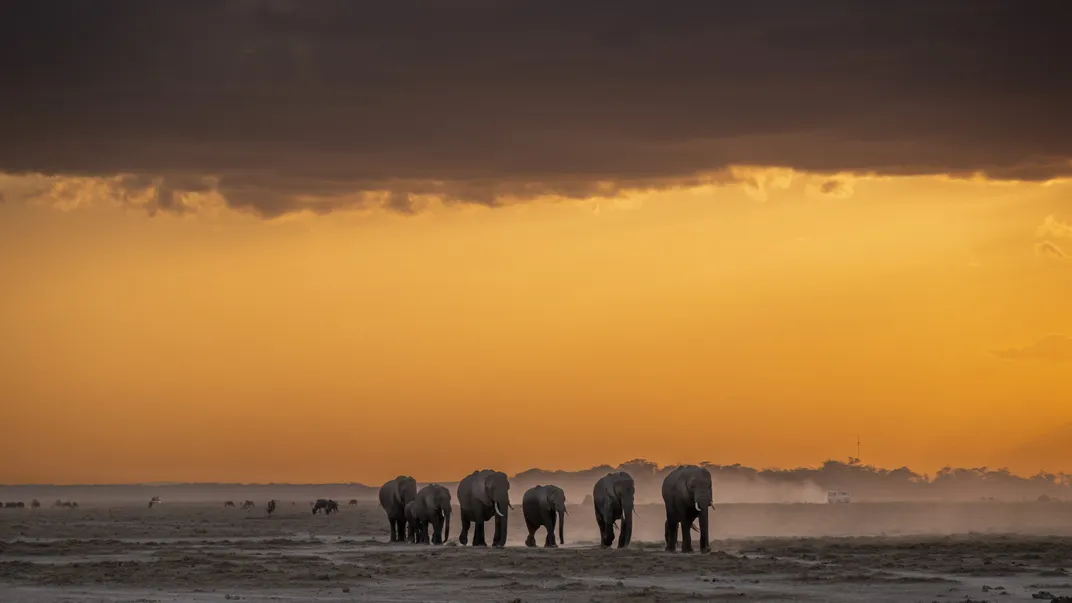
(608, 539)
(602, 530)
(437, 529)
(549, 523)
(478, 533)
(463, 538)
(686, 536)
(394, 530)
(532, 527)
(671, 534)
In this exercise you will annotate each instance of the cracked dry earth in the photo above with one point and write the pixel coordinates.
(204, 553)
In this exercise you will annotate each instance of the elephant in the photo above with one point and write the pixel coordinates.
(394, 495)
(687, 495)
(413, 534)
(612, 498)
(482, 495)
(432, 506)
(540, 506)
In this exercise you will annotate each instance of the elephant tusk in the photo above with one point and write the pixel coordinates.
(497, 511)
(698, 509)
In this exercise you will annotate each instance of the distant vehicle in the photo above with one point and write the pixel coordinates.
(838, 497)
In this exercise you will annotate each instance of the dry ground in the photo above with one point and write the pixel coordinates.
(858, 552)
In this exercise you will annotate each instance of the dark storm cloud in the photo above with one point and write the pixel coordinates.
(473, 100)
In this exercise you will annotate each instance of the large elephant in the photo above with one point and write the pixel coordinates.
(482, 495)
(432, 506)
(612, 498)
(687, 495)
(541, 505)
(394, 494)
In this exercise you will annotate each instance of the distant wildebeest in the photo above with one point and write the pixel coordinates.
(229, 503)
(35, 504)
(9, 505)
(248, 504)
(271, 506)
(353, 502)
(155, 501)
(20, 505)
(326, 505)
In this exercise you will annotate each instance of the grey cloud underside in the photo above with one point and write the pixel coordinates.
(473, 100)
(1054, 347)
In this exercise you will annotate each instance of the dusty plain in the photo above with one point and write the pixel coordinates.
(201, 552)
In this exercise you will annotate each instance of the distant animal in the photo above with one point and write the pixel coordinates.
(248, 505)
(540, 505)
(155, 501)
(229, 503)
(271, 506)
(326, 505)
(353, 502)
(612, 498)
(35, 504)
(395, 494)
(482, 495)
(432, 507)
(20, 505)
(687, 496)
(11, 505)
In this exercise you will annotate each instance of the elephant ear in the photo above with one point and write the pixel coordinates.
(480, 489)
(397, 493)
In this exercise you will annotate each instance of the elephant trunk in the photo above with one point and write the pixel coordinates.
(502, 505)
(627, 523)
(704, 534)
(562, 525)
(446, 524)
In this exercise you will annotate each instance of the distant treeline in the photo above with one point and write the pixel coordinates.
(733, 484)
(737, 483)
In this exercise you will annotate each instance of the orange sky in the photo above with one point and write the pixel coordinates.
(766, 323)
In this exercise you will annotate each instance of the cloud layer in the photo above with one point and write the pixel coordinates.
(280, 105)
(1054, 347)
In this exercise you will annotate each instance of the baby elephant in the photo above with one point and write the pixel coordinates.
(413, 525)
(541, 504)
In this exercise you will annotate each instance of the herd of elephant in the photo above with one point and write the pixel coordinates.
(484, 495)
